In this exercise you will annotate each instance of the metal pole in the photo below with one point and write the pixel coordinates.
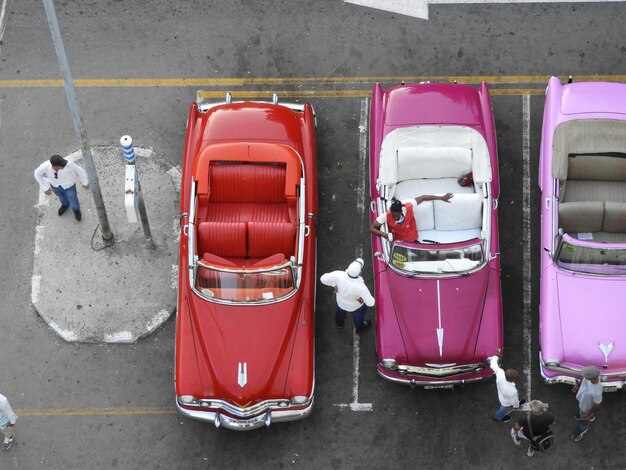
(129, 156)
(77, 119)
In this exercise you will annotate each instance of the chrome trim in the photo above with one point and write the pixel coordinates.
(559, 246)
(191, 235)
(608, 380)
(302, 204)
(251, 421)
(483, 242)
(287, 265)
(295, 266)
(204, 106)
(439, 371)
(554, 213)
(247, 412)
(569, 380)
(427, 383)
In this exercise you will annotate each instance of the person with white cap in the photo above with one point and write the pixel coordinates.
(589, 396)
(352, 295)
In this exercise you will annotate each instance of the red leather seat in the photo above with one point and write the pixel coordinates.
(212, 258)
(226, 239)
(246, 211)
(268, 238)
(240, 182)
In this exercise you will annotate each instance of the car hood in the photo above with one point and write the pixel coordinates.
(591, 313)
(440, 318)
(243, 352)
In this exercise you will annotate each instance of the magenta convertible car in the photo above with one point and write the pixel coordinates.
(582, 175)
(438, 298)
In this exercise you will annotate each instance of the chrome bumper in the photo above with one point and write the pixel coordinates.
(607, 386)
(246, 424)
(611, 382)
(426, 383)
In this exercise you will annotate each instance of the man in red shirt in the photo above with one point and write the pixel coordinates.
(400, 219)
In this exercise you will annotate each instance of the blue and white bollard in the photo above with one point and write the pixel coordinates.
(133, 197)
(127, 147)
(131, 185)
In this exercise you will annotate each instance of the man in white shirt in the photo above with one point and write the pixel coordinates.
(589, 396)
(507, 391)
(59, 176)
(352, 295)
(7, 421)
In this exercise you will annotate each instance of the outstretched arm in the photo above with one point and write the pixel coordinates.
(375, 229)
(430, 197)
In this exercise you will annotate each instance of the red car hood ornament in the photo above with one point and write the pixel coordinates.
(242, 374)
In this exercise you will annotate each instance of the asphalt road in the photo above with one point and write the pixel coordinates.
(111, 406)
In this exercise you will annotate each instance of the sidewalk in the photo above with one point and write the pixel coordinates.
(87, 292)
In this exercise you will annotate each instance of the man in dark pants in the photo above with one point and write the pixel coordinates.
(353, 296)
(507, 390)
(589, 396)
(540, 422)
(59, 176)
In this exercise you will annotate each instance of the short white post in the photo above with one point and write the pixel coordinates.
(133, 196)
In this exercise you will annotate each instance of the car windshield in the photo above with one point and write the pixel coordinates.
(591, 260)
(437, 259)
(263, 285)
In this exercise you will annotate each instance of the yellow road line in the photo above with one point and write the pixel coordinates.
(95, 411)
(516, 92)
(253, 94)
(322, 81)
(287, 94)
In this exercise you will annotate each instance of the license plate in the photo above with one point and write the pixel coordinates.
(431, 387)
(246, 422)
(611, 389)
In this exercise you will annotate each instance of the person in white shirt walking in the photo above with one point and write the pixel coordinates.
(589, 396)
(353, 296)
(7, 421)
(59, 176)
(507, 390)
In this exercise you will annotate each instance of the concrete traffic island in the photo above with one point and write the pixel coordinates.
(89, 292)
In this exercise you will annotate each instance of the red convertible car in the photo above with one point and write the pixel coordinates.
(246, 289)
(438, 298)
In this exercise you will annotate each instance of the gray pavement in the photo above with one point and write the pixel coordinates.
(96, 406)
(89, 291)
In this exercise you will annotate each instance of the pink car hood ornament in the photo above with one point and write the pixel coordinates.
(606, 350)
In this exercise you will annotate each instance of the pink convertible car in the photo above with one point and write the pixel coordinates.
(438, 299)
(582, 175)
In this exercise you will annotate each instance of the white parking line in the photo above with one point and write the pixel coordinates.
(361, 210)
(526, 247)
(3, 17)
